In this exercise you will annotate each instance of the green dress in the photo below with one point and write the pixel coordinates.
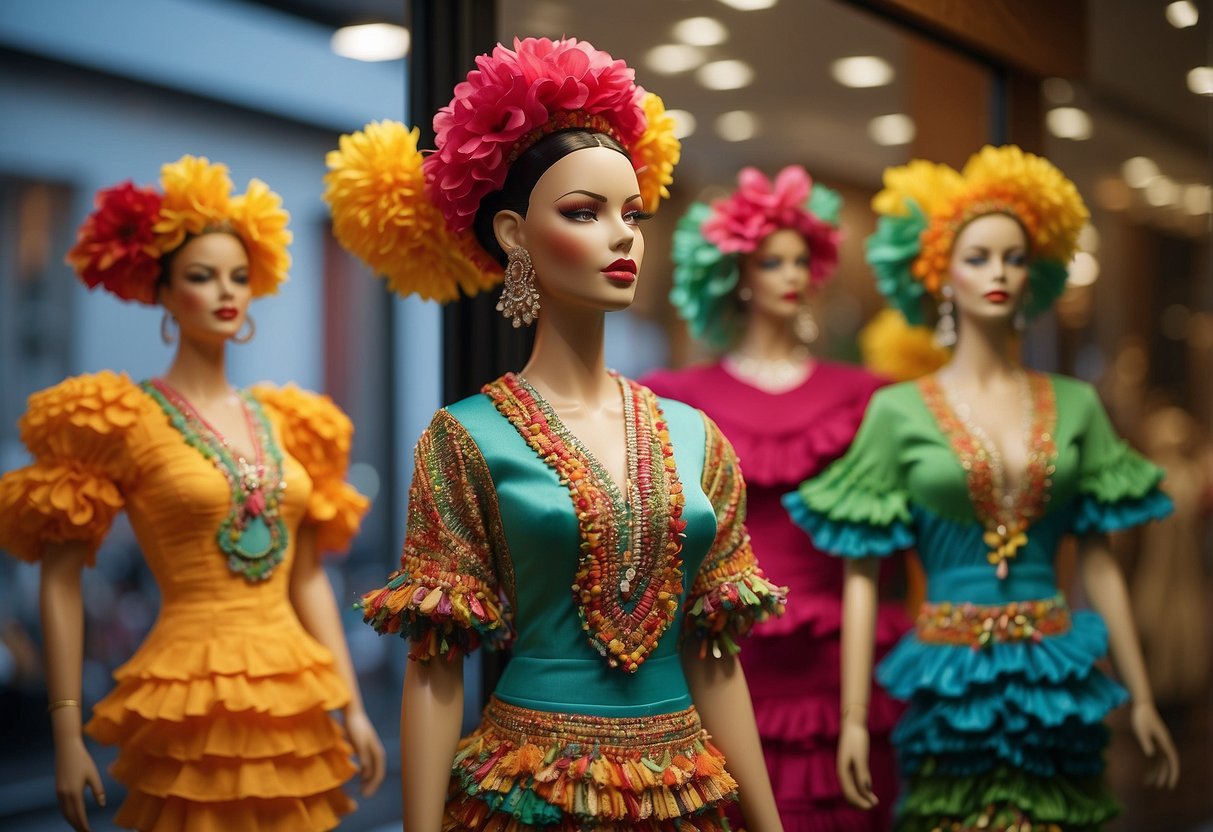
(516, 536)
(1004, 728)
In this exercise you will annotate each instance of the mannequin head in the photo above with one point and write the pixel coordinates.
(988, 270)
(776, 275)
(576, 210)
(205, 287)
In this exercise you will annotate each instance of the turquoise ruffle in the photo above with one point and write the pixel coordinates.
(1073, 749)
(848, 539)
(1095, 516)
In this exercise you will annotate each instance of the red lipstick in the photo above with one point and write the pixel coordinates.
(792, 296)
(227, 313)
(997, 296)
(621, 271)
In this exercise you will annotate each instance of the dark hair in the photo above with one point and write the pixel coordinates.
(515, 194)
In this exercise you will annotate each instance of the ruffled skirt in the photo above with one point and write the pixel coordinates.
(227, 731)
(524, 769)
(1004, 734)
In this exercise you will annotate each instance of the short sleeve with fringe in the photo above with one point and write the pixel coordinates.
(318, 435)
(859, 507)
(78, 433)
(446, 597)
(730, 593)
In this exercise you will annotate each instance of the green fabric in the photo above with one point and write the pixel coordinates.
(554, 667)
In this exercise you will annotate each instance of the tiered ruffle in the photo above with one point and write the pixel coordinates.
(1017, 726)
(227, 733)
(770, 458)
(847, 514)
(523, 769)
(318, 434)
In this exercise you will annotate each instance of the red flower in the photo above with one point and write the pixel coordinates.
(115, 247)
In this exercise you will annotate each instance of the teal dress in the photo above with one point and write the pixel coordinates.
(517, 536)
(1004, 727)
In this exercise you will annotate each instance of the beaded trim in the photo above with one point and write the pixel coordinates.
(564, 120)
(256, 487)
(629, 575)
(1005, 515)
(979, 627)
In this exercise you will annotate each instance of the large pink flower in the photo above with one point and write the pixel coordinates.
(509, 101)
(758, 208)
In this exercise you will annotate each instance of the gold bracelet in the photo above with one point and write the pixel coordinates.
(62, 703)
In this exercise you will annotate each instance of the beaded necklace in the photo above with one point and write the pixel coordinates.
(252, 535)
(1005, 514)
(629, 574)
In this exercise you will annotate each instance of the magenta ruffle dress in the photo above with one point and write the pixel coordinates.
(792, 664)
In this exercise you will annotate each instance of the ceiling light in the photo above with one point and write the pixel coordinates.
(1200, 80)
(701, 31)
(1182, 14)
(1162, 190)
(673, 58)
(1088, 239)
(371, 42)
(862, 71)
(725, 75)
(684, 123)
(1057, 90)
(1083, 270)
(1069, 123)
(891, 130)
(737, 126)
(749, 5)
(1198, 199)
(1138, 171)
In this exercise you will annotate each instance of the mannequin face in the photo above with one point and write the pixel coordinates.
(777, 275)
(582, 230)
(989, 268)
(208, 289)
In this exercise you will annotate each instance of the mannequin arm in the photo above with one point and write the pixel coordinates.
(859, 600)
(1105, 587)
(63, 627)
(721, 696)
(431, 714)
(312, 597)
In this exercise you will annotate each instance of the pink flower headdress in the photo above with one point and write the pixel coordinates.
(410, 219)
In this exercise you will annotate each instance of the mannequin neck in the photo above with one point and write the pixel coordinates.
(985, 352)
(568, 362)
(199, 371)
(769, 339)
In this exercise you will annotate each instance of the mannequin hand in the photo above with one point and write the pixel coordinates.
(371, 762)
(853, 774)
(1162, 767)
(75, 769)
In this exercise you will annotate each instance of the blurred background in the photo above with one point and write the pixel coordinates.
(1118, 93)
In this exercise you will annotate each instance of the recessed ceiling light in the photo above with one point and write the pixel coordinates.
(749, 5)
(1138, 171)
(1198, 199)
(1200, 80)
(1182, 14)
(1069, 123)
(862, 71)
(1057, 90)
(371, 42)
(672, 58)
(701, 31)
(1161, 191)
(725, 75)
(891, 130)
(737, 126)
(684, 123)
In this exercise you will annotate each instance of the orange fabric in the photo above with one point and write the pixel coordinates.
(221, 716)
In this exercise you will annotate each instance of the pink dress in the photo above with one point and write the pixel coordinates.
(793, 664)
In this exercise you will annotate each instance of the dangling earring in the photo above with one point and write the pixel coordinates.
(166, 328)
(745, 294)
(252, 330)
(519, 299)
(945, 328)
(1020, 319)
(804, 325)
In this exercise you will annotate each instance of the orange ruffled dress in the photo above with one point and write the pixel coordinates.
(221, 716)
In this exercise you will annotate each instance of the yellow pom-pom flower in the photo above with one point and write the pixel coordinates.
(197, 196)
(893, 348)
(376, 191)
(656, 153)
(258, 217)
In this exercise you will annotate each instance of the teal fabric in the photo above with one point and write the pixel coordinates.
(554, 667)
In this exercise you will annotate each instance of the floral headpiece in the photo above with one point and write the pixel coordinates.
(925, 205)
(410, 219)
(120, 244)
(709, 240)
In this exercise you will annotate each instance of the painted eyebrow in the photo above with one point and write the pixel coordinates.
(209, 268)
(590, 194)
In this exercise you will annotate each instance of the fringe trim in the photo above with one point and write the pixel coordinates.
(729, 610)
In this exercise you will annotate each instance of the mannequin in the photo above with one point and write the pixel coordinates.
(596, 722)
(744, 271)
(234, 681)
(983, 466)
